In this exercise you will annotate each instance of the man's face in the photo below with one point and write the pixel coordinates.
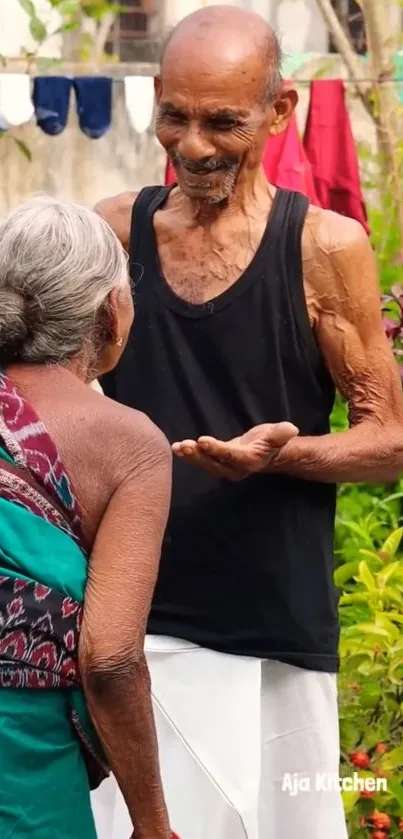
(213, 126)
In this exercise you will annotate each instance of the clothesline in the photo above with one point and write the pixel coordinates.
(117, 72)
(398, 79)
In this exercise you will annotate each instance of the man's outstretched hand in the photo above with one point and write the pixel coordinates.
(240, 457)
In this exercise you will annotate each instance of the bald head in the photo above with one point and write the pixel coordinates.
(230, 35)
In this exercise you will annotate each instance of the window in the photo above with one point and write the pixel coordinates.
(351, 17)
(136, 33)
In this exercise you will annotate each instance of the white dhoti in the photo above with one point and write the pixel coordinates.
(235, 737)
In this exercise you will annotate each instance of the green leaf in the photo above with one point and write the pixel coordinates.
(355, 597)
(28, 7)
(23, 148)
(371, 555)
(369, 629)
(396, 789)
(356, 660)
(395, 665)
(38, 30)
(395, 616)
(391, 544)
(67, 8)
(355, 528)
(393, 595)
(345, 572)
(350, 798)
(382, 620)
(366, 576)
(68, 26)
(392, 760)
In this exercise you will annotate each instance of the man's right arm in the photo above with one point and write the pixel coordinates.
(117, 212)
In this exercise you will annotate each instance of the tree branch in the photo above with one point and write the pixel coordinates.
(345, 48)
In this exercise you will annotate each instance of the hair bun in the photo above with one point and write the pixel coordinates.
(14, 327)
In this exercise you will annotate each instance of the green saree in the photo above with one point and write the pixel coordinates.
(44, 784)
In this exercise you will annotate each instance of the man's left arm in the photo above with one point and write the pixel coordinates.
(341, 275)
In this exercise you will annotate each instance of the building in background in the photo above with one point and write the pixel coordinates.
(138, 29)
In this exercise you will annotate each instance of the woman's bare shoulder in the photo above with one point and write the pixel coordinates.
(132, 439)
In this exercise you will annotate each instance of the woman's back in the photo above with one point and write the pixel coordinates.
(84, 497)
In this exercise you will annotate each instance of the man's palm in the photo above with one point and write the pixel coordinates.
(241, 456)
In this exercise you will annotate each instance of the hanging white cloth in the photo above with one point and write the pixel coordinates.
(139, 98)
(15, 98)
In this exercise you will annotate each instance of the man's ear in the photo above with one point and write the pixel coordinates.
(283, 109)
(157, 88)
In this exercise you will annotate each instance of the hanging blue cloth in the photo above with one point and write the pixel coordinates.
(94, 104)
(51, 99)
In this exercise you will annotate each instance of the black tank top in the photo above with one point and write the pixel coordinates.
(246, 567)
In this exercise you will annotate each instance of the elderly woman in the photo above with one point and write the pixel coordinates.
(84, 497)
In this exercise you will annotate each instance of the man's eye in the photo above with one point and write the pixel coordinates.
(174, 117)
(220, 125)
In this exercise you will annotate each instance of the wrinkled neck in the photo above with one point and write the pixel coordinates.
(247, 195)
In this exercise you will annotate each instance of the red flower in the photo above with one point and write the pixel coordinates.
(381, 820)
(360, 759)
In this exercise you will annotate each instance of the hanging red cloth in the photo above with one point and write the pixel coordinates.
(284, 161)
(170, 177)
(330, 148)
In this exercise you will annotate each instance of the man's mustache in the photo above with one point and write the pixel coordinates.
(205, 166)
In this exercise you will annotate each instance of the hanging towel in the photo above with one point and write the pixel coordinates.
(94, 104)
(170, 176)
(284, 161)
(16, 105)
(330, 148)
(139, 98)
(286, 164)
(51, 97)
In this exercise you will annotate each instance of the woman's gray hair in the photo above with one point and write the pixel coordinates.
(59, 261)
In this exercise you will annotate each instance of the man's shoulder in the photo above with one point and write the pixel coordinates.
(330, 233)
(117, 210)
(334, 248)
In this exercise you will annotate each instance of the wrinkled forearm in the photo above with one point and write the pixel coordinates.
(121, 710)
(367, 453)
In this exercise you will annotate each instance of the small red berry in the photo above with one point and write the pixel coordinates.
(366, 793)
(360, 759)
(379, 834)
(401, 825)
(381, 820)
(381, 748)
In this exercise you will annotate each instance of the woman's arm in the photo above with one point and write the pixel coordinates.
(122, 575)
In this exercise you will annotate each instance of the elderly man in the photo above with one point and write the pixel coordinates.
(250, 307)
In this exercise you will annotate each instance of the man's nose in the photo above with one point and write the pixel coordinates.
(194, 145)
